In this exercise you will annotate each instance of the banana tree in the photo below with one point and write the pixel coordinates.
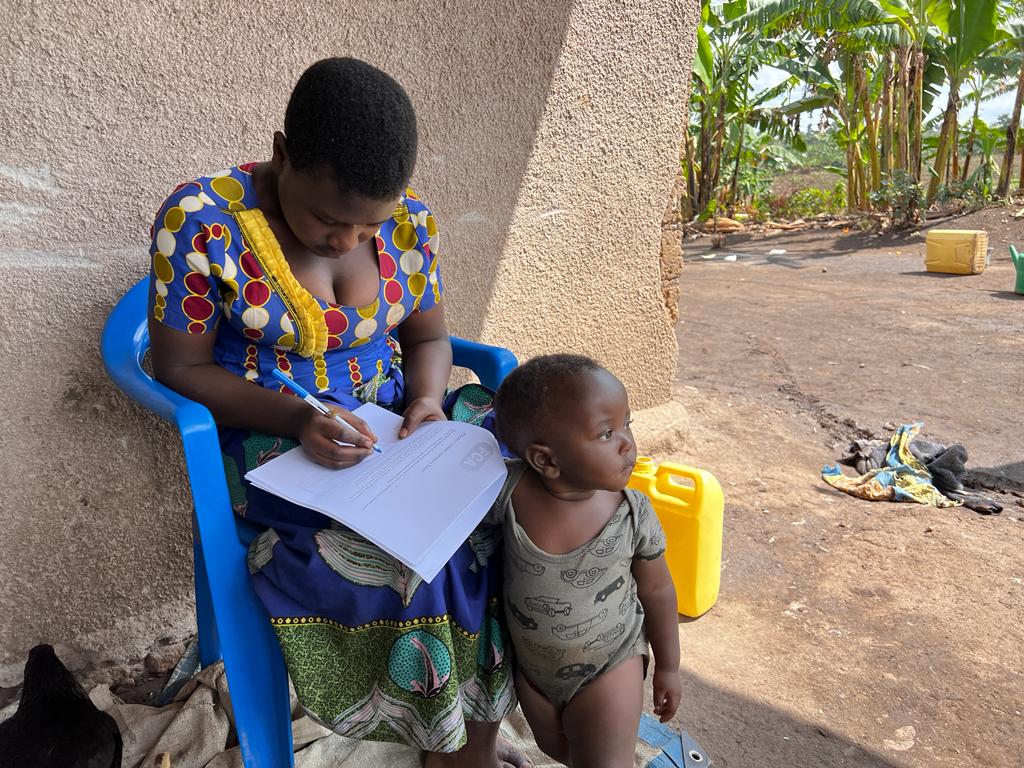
(843, 90)
(836, 49)
(871, 68)
(754, 113)
(987, 141)
(1016, 40)
(988, 81)
(721, 72)
(972, 31)
(764, 157)
(729, 55)
(916, 78)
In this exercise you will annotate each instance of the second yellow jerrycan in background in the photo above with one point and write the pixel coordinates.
(689, 504)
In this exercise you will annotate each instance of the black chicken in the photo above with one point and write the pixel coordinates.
(56, 725)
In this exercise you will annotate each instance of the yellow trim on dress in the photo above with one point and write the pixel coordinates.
(305, 310)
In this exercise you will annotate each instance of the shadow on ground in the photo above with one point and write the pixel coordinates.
(739, 732)
(799, 246)
(1006, 477)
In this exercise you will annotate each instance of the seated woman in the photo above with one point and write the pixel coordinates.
(305, 264)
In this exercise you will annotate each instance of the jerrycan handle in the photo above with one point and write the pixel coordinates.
(667, 485)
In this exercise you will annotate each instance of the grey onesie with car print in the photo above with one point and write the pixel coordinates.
(573, 616)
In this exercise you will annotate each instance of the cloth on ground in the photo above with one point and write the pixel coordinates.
(902, 478)
(908, 468)
(197, 730)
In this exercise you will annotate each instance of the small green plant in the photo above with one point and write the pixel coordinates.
(709, 210)
(754, 182)
(809, 202)
(903, 197)
(973, 193)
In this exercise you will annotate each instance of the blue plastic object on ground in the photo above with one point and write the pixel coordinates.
(231, 621)
(678, 750)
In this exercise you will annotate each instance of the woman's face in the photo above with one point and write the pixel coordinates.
(325, 219)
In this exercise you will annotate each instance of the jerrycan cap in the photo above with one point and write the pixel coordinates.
(644, 465)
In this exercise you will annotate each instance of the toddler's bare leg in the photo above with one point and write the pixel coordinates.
(484, 749)
(602, 719)
(544, 720)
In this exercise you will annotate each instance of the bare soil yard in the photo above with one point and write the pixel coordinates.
(852, 633)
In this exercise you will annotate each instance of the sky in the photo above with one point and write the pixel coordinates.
(990, 110)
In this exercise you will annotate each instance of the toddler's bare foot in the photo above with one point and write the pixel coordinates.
(510, 756)
(504, 756)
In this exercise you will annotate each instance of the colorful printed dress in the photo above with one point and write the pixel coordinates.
(373, 652)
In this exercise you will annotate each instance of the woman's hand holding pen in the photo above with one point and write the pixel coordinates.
(318, 434)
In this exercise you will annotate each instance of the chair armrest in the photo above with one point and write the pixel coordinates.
(490, 364)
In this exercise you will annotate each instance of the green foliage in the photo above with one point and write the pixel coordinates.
(819, 15)
(903, 197)
(709, 210)
(704, 61)
(754, 182)
(972, 31)
(870, 71)
(988, 140)
(809, 202)
(971, 194)
(823, 151)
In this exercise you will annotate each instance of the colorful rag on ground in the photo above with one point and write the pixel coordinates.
(903, 478)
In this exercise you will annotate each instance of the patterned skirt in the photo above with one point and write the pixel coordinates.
(373, 651)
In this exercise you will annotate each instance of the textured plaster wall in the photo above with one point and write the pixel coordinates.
(580, 269)
(550, 134)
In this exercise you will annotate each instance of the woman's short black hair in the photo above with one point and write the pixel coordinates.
(529, 395)
(351, 119)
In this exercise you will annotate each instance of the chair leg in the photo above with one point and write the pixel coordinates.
(253, 664)
(209, 640)
(258, 684)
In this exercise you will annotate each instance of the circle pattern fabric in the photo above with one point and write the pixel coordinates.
(420, 663)
(208, 275)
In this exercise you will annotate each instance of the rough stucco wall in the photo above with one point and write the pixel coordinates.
(580, 269)
(671, 257)
(549, 136)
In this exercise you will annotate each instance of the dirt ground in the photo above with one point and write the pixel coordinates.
(847, 632)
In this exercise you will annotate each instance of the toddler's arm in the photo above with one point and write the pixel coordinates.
(657, 595)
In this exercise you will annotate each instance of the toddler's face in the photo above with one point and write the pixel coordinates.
(592, 442)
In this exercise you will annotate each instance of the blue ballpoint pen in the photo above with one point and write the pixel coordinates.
(278, 374)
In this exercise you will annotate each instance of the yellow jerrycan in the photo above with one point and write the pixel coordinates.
(689, 504)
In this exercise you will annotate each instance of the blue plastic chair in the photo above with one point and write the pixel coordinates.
(231, 621)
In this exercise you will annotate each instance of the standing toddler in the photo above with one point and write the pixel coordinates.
(586, 584)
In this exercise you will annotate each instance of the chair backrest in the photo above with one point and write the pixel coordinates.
(123, 346)
(231, 622)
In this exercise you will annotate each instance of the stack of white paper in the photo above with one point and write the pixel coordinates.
(418, 500)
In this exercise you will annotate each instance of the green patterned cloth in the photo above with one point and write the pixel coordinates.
(373, 651)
